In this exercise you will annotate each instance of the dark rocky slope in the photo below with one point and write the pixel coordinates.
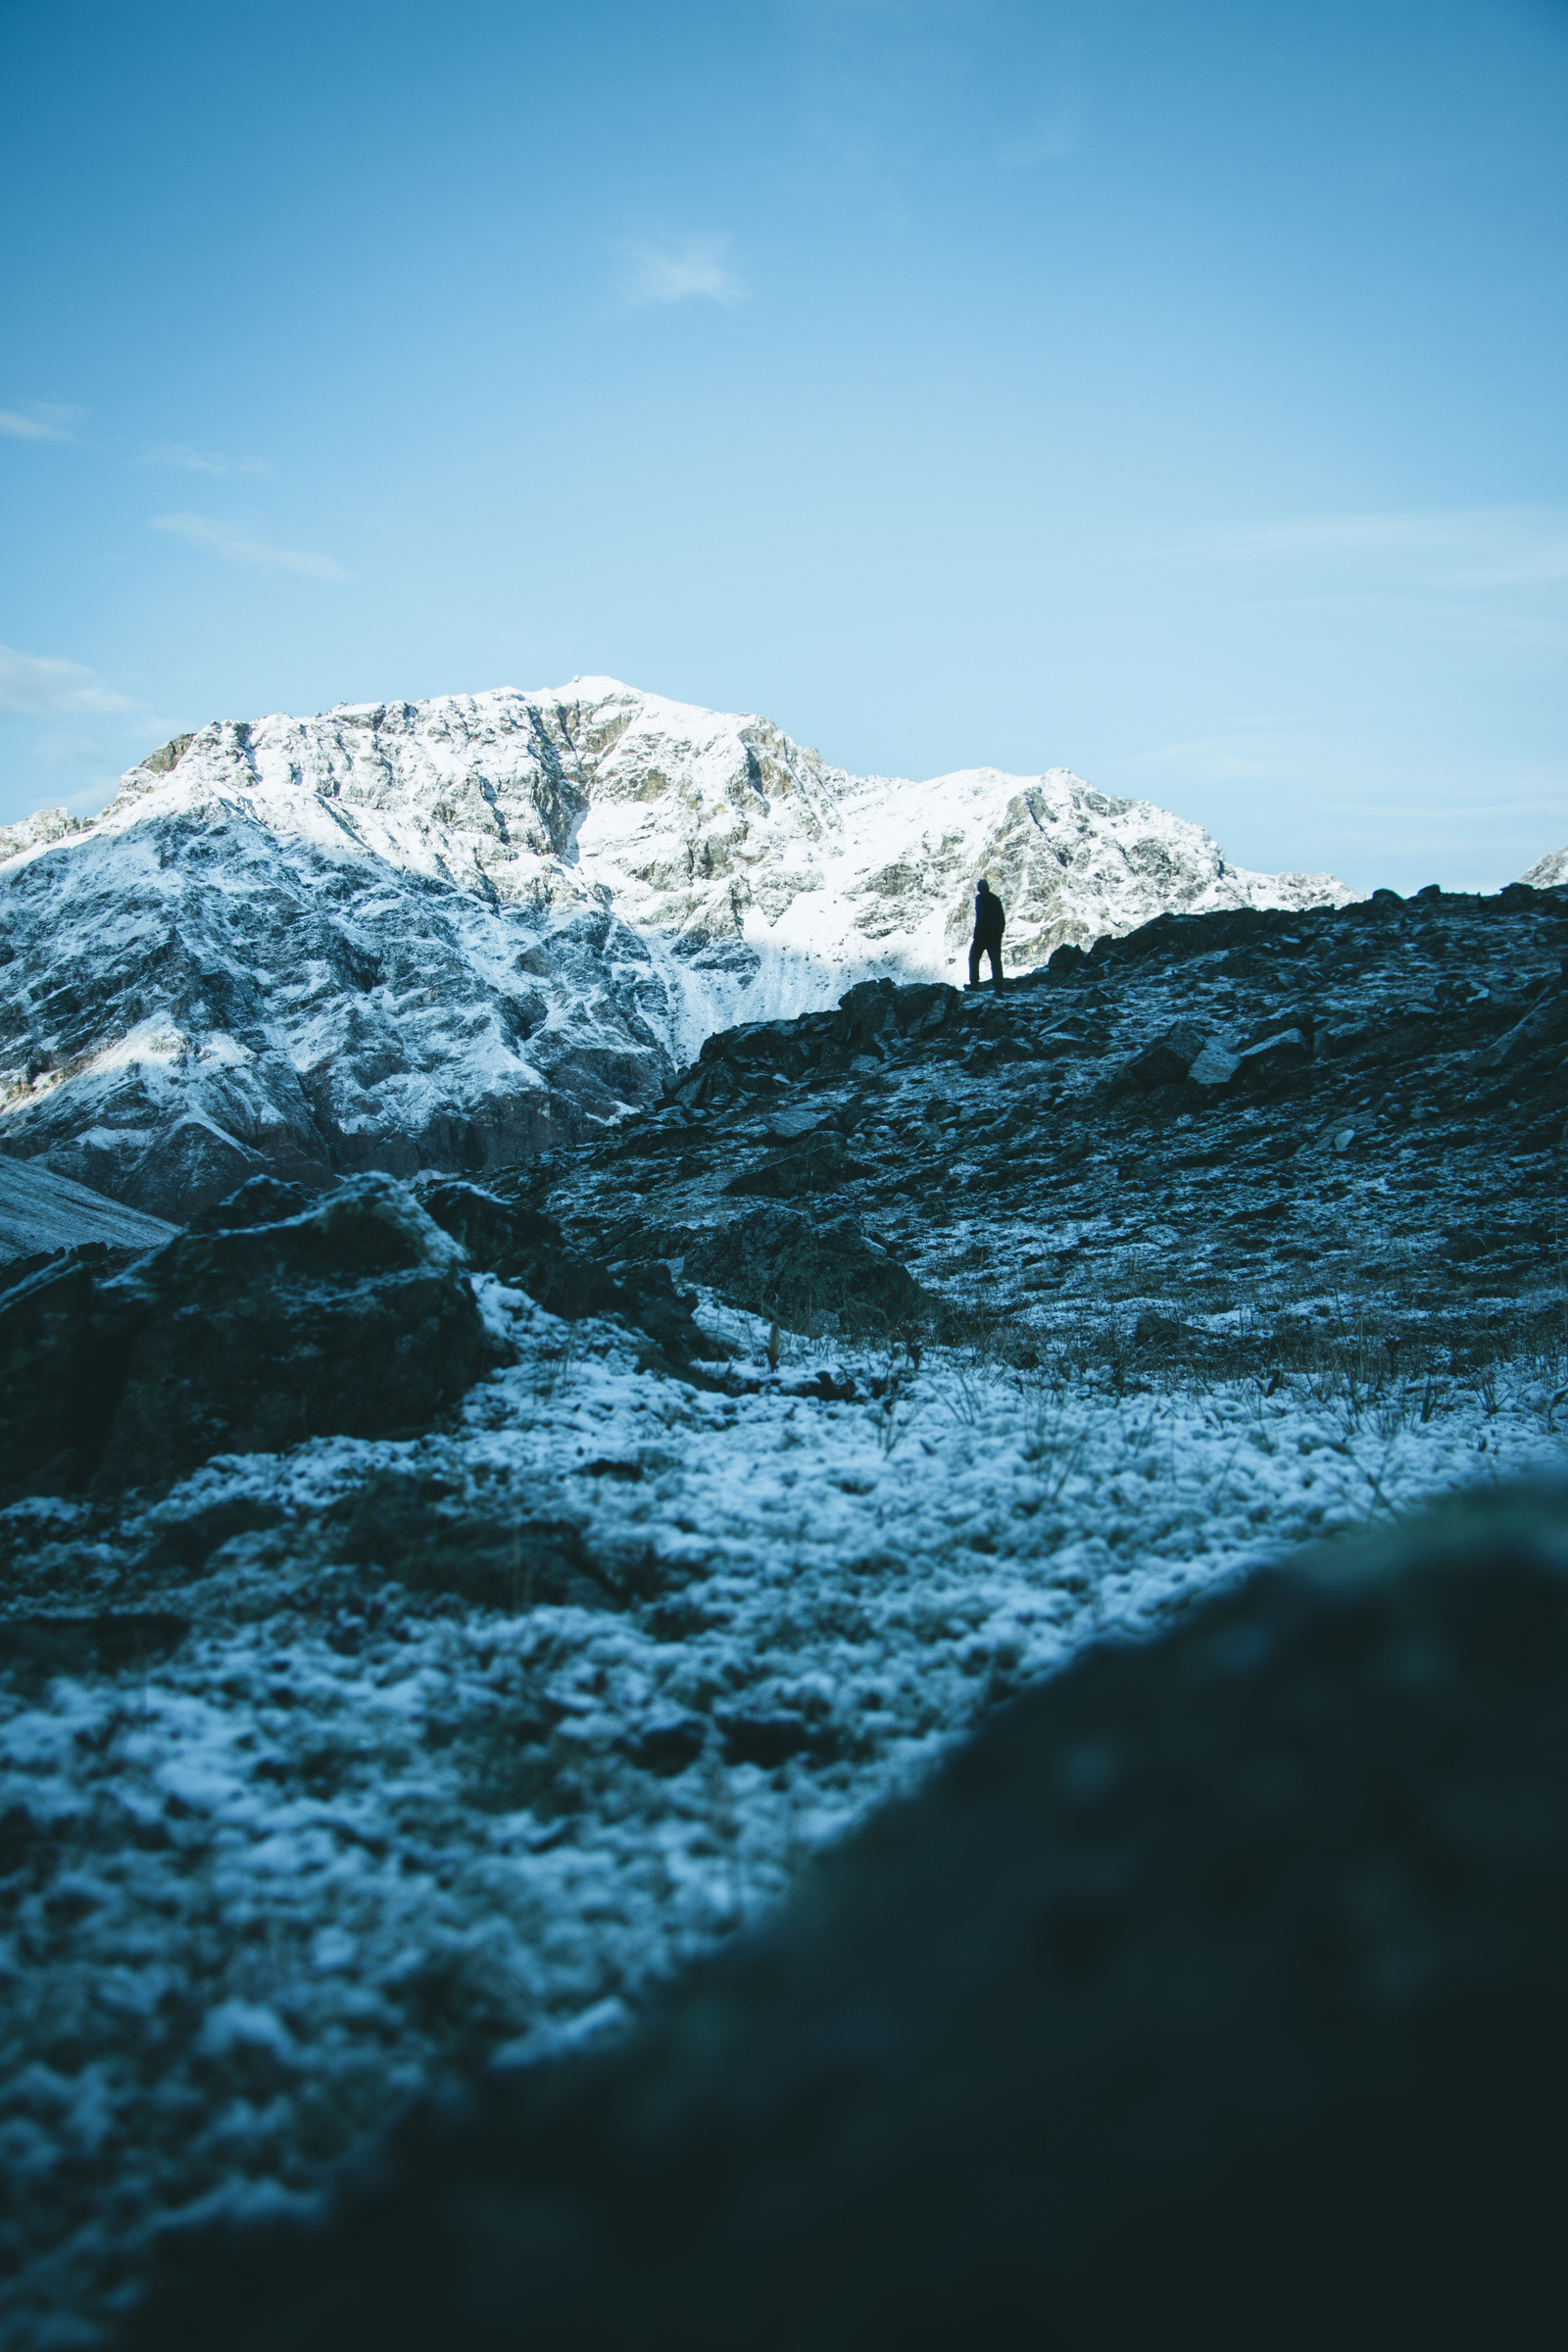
(1214, 1996)
(1235, 1230)
(1250, 1131)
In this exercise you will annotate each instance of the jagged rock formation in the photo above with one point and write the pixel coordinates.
(1215, 1994)
(446, 934)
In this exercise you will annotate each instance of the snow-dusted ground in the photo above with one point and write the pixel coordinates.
(350, 1835)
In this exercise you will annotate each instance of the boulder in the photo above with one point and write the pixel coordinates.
(804, 1270)
(527, 1249)
(264, 1324)
(1165, 1062)
(1546, 1024)
(814, 1164)
(1263, 1063)
(354, 1317)
(1214, 1996)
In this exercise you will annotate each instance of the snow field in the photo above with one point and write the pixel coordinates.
(350, 1838)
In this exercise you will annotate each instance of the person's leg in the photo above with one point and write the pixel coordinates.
(974, 964)
(995, 955)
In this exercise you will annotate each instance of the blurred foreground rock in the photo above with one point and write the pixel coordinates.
(1215, 1994)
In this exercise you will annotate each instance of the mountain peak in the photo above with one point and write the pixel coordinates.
(445, 932)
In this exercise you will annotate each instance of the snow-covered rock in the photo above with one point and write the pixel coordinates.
(40, 1210)
(1547, 873)
(450, 933)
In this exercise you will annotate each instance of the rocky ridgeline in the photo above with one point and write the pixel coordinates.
(447, 934)
(1305, 1116)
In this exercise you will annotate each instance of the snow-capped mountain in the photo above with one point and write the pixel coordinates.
(451, 932)
(1549, 872)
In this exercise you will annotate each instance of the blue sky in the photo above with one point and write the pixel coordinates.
(1173, 392)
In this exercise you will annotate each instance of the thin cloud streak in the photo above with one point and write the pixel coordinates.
(37, 422)
(1459, 547)
(37, 685)
(696, 269)
(195, 461)
(215, 539)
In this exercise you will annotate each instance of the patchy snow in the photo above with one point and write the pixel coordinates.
(349, 1835)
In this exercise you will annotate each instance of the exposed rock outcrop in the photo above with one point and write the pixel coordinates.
(274, 1318)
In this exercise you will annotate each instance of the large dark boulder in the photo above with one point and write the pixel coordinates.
(47, 1362)
(815, 1163)
(525, 1248)
(802, 1269)
(274, 1317)
(874, 1021)
(1215, 1995)
(1165, 1062)
(350, 1317)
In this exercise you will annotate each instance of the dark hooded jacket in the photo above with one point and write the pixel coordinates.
(990, 919)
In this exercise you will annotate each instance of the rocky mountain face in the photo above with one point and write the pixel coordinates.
(450, 933)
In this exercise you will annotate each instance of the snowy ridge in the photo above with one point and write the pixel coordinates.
(453, 932)
(1547, 873)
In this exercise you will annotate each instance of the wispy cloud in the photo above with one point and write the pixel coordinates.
(32, 685)
(217, 539)
(1248, 752)
(694, 270)
(1459, 547)
(38, 422)
(196, 460)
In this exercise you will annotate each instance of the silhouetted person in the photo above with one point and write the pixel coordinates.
(990, 922)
